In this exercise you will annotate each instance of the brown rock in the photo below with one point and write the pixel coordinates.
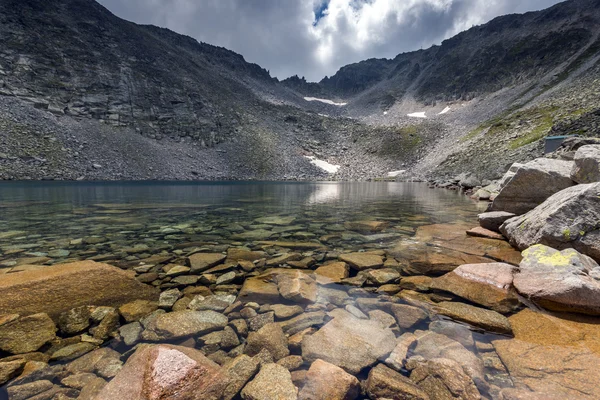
(240, 370)
(167, 372)
(269, 337)
(408, 316)
(137, 310)
(490, 285)
(179, 324)
(9, 370)
(272, 382)
(243, 254)
(366, 226)
(200, 262)
(362, 261)
(297, 287)
(259, 290)
(385, 383)
(27, 334)
(332, 273)
(325, 381)
(284, 312)
(480, 317)
(368, 340)
(444, 379)
(399, 355)
(59, 288)
(485, 233)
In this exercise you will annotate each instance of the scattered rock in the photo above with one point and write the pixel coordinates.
(166, 371)
(332, 273)
(587, 164)
(26, 334)
(239, 370)
(75, 320)
(368, 340)
(297, 287)
(200, 262)
(443, 378)
(399, 355)
(385, 383)
(569, 219)
(494, 219)
(479, 317)
(490, 285)
(183, 323)
(532, 184)
(559, 280)
(270, 337)
(272, 382)
(366, 226)
(325, 381)
(362, 261)
(408, 316)
(138, 309)
(58, 288)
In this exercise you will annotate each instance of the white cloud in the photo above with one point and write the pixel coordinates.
(282, 35)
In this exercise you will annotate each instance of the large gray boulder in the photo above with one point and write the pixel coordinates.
(526, 186)
(569, 219)
(587, 164)
(559, 280)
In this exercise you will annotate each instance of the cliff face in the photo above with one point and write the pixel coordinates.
(81, 88)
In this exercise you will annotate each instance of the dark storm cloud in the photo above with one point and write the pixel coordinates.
(314, 38)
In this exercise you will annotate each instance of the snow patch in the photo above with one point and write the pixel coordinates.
(331, 102)
(445, 110)
(385, 113)
(418, 115)
(324, 165)
(395, 174)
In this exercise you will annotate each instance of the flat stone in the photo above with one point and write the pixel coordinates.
(272, 382)
(200, 262)
(486, 319)
(10, 369)
(294, 245)
(167, 372)
(362, 261)
(183, 323)
(485, 233)
(325, 381)
(368, 341)
(259, 290)
(29, 390)
(490, 285)
(285, 312)
(131, 333)
(366, 226)
(168, 298)
(26, 334)
(383, 276)
(384, 383)
(73, 351)
(559, 280)
(332, 273)
(243, 254)
(58, 288)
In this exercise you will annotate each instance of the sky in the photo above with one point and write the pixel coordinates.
(314, 38)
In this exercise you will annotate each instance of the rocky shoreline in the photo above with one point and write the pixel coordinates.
(454, 312)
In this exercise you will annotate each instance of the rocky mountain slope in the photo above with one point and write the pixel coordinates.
(86, 95)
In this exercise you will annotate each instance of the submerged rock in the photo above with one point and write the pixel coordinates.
(442, 378)
(532, 184)
(560, 280)
(200, 262)
(486, 319)
(26, 334)
(272, 382)
(167, 372)
(569, 219)
(385, 383)
(325, 381)
(58, 288)
(362, 261)
(349, 343)
(183, 323)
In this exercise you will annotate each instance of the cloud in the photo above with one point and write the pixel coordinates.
(314, 38)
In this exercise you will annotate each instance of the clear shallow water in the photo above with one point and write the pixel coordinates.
(45, 215)
(43, 223)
